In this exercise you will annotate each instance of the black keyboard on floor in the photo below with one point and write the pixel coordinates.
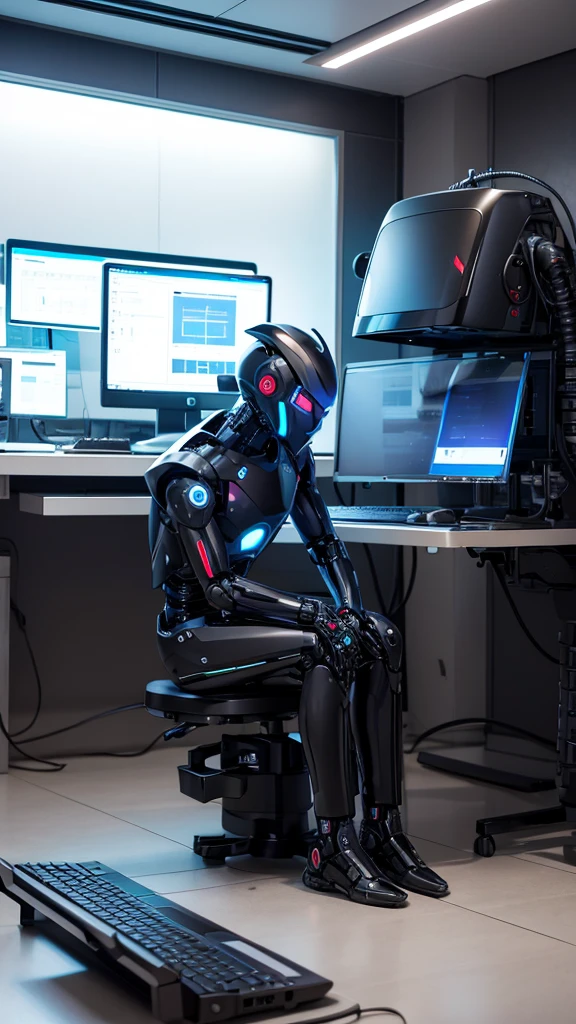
(194, 968)
(374, 513)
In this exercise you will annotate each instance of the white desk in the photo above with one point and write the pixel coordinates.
(351, 533)
(62, 464)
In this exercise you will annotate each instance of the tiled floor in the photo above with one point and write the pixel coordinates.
(501, 948)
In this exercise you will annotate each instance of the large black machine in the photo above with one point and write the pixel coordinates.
(480, 269)
(221, 494)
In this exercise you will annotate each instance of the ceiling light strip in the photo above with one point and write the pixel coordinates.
(205, 24)
(404, 32)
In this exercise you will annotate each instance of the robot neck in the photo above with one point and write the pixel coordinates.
(246, 431)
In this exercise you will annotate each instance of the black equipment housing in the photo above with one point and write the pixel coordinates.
(452, 270)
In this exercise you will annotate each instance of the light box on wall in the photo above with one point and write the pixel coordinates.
(88, 170)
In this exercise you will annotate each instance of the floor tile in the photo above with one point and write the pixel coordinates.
(379, 956)
(37, 825)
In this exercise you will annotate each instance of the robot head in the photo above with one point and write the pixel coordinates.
(290, 376)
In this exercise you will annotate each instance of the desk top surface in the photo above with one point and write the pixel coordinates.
(108, 465)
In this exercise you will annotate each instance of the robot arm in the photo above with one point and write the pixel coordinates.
(189, 506)
(312, 520)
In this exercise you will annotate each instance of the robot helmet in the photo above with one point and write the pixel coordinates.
(291, 378)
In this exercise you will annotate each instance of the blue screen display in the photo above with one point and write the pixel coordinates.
(437, 417)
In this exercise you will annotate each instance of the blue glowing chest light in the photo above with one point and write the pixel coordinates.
(253, 539)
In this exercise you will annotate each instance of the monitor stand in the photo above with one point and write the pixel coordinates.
(171, 424)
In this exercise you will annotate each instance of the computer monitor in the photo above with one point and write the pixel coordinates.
(53, 285)
(38, 383)
(168, 335)
(435, 419)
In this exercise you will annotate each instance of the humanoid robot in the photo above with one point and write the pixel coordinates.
(221, 494)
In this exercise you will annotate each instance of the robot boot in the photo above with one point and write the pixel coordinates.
(383, 838)
(338, 864)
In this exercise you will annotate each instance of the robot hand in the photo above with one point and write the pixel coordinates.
(340, 636)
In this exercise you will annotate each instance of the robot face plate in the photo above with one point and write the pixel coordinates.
(292, 379)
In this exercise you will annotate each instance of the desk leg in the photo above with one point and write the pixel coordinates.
(4, 654)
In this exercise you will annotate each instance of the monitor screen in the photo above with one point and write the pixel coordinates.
(38, 383)
(51, 285)
(173, 332)
(433, 418)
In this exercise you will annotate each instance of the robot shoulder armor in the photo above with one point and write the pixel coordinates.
(190, 500)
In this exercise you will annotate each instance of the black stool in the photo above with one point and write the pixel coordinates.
(263, 779)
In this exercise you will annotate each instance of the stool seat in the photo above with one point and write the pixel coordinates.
(255, 702)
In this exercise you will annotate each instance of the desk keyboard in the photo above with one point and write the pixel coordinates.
(194, 968)
(375, 513)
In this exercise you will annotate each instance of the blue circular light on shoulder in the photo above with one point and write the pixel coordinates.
(198, 496)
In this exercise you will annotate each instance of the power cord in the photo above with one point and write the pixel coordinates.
(473, 178)
(411, 582)
(355, 1012)
(519, 619)
(513, 730)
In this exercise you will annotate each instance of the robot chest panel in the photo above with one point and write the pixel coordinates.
(257, 501)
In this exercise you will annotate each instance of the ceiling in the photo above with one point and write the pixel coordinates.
(483, 42)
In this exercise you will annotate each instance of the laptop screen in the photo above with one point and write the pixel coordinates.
(432, 418)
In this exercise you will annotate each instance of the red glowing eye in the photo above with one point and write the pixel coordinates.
(302, 402)
(267, 386)
(458, 264)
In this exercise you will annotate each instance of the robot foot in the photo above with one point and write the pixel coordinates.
(338, 864)
(394, 855)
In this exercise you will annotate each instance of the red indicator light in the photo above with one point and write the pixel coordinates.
(204, 556)
(267, 386)
(332, 626)
(458, 264)
(514, 312)
(302, 402)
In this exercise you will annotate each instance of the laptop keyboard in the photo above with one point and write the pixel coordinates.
(374, 513)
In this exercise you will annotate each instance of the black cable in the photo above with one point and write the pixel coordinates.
(339, 494)
(21, 623)
(54, 765)
(130, 753)
(355, 1012)
(83, 721)
(41, 437)
(519, 619)
(375, 579)
(454, 723)
(410, 586)
(474, 178)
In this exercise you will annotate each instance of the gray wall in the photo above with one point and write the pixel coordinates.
(85, 584)
(534, 129)
(446, 133)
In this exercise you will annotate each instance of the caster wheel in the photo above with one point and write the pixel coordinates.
(484, 846)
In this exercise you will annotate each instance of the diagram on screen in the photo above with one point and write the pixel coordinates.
(204, 320)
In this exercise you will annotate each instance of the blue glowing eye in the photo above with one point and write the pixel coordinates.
(253, 539)
(198, 496)
(242, 472)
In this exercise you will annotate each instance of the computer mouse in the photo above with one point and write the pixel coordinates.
(439, 517)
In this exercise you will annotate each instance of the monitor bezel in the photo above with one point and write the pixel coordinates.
(428, 478)
(111, 256)
(133, 399)
(6, 353)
